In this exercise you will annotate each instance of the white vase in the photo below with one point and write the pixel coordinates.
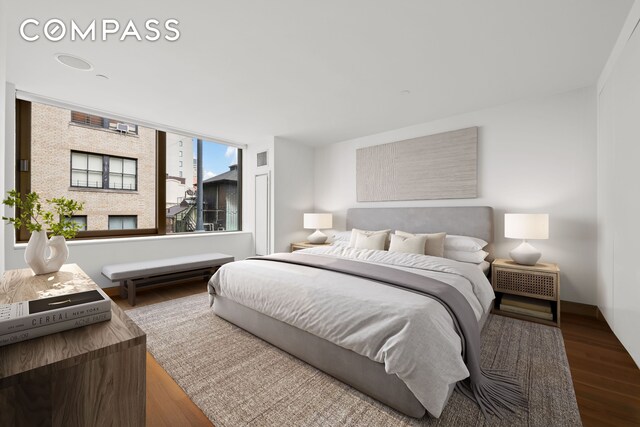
(44, 255)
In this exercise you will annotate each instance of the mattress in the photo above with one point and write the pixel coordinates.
(411, 336)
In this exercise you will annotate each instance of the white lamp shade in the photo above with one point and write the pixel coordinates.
(318, 221)
(526, 226)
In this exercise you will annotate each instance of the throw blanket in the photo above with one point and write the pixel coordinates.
(494, 391)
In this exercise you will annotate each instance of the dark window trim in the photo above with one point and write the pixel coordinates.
(23, 182)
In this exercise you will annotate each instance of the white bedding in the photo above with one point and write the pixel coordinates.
(411, 334)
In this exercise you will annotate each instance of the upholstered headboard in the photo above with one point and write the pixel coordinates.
(475, 221)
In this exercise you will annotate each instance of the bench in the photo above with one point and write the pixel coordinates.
(161, 272)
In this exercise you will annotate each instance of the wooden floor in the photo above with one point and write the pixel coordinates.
(606, 380)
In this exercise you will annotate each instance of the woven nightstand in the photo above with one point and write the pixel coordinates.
(540, 282)
(305, 245)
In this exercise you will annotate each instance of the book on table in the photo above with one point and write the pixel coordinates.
(24, 320)
(527, 306)
(527, 312)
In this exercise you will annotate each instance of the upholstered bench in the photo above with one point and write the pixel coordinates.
(161, 272)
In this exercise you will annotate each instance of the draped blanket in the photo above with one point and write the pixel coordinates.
(495, 392)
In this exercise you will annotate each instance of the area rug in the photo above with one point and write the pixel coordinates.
(240, 380)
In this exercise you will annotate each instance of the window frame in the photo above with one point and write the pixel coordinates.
(123, 216)
(23, 180)
(106, 171)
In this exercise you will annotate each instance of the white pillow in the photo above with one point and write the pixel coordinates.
(408, 244)
(473, 257)
(434, 244)
(355, 232)
(371, 241)
(464, 243)
(341, 236)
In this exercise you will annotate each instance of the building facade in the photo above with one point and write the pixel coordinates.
(180, 173)
(109, 166)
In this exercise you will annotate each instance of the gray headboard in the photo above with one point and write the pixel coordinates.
(475, 221)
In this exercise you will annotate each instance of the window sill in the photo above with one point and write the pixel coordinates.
(115, 240)
(102, 190)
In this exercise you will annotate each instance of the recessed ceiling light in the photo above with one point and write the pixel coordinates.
(405, 92)
(73, 62)
(102, 76)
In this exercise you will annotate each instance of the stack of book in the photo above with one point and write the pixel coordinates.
(24, 320)
(526, 306)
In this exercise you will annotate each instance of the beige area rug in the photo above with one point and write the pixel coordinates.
(240, 380)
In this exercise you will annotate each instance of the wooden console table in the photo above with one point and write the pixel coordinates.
(91, 376)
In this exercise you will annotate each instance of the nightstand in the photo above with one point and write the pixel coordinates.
(306, 245)
(540, 283)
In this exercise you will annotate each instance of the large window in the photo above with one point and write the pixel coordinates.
(133, 180)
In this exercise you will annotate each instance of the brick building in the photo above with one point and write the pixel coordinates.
(110, 166)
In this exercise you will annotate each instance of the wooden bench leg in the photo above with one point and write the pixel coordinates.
(123, 289)
(131, 290)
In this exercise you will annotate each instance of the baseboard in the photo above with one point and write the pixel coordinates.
(113, 291)
(579, 308)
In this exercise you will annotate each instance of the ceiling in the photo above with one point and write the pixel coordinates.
(317, 72)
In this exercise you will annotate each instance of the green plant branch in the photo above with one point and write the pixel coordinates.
(32, 215)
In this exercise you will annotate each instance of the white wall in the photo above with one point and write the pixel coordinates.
(248, 187)
(294, 189)
(533, 156)
(91, 255)
(290, 168)
(618, 184)
(3, 99)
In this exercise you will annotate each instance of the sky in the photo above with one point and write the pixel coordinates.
(216, 157)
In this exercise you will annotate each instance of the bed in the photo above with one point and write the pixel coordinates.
(239, 296)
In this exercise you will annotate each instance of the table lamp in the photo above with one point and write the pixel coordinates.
(526, 226)
(317, 221)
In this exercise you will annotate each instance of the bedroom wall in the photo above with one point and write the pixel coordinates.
(533, 156)
(250, 171)
(3, 80)
(618, 178)
(294, 190)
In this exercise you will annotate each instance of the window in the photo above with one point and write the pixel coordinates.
(86, 170)
(103, 123)
(123, 222)
(100, 171)
(129, 186)
(122, 173)
(81, 220)
(221, 187)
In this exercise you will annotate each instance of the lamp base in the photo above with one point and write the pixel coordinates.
(525, 254)
(317, 237)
